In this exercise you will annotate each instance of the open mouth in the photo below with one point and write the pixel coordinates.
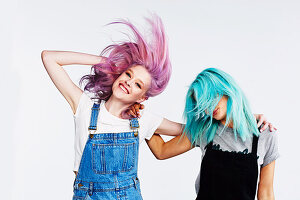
(122, 86)
(215, 111)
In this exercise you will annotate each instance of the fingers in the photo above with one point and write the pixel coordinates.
(266, 124)
(130, 112)
(136, 109)
(272, 128)
(260, 122)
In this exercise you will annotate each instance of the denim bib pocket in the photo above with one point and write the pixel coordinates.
(113, 158)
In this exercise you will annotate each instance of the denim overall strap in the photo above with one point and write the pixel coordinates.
(94, 117)
(134, 123)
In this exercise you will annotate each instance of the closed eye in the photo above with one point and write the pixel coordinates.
(128, 74)
(139, 85)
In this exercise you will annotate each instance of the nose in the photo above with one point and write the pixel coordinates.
(129, 82)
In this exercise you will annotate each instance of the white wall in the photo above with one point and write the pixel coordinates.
(257, 42)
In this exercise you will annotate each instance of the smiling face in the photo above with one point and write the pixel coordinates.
(220, 110)
(132, 85)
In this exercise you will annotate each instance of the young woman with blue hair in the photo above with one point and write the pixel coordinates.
(219, 121)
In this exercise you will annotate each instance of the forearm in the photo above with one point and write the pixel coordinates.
(164, 150)
(170, 128)
(53, 62)
(265, 194)
(156, 144)
(69, 58)
(265, 186)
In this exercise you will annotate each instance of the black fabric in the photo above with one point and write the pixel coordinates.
(228, 175)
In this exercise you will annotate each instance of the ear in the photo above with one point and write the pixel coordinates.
(144, 98)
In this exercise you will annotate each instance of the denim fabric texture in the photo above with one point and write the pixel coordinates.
(108, 167)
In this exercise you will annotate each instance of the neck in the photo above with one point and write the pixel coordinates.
(230, 125)
(115, 107)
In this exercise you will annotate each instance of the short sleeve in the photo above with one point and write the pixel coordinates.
(84, 102)
(271, 147)
(149, 122)
(197, 142)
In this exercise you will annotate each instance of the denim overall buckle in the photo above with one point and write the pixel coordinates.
(135, 180)
(92, 132)
(134, 124)
(90, 189)
(94, 118)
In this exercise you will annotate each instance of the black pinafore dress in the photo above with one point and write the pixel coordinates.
(228, 175)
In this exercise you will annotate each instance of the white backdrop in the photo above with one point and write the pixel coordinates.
(256, 41)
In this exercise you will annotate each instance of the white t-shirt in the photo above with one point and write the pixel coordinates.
(107, 123)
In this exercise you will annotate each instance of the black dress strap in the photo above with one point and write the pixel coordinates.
(254, 144)
(209, 145)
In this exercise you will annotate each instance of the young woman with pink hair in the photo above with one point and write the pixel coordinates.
(106, 137)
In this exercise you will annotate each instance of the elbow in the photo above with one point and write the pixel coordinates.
(160, 156)
(44, 54)
(47, 58)
(158, 153)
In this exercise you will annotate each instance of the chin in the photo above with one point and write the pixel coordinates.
(218, 118)
(120, 96)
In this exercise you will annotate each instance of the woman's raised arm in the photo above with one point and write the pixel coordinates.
(53, 62)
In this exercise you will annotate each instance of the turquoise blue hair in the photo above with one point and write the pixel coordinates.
(203, 96)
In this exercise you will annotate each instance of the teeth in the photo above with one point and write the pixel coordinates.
(123, 88)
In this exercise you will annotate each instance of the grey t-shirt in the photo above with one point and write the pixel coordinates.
(267, 149)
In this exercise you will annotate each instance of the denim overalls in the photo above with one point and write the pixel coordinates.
(108, 166)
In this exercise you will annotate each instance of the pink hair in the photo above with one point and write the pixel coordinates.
(153, 55)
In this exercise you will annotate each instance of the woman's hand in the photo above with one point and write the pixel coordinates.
(134, 110)
(263, 120)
